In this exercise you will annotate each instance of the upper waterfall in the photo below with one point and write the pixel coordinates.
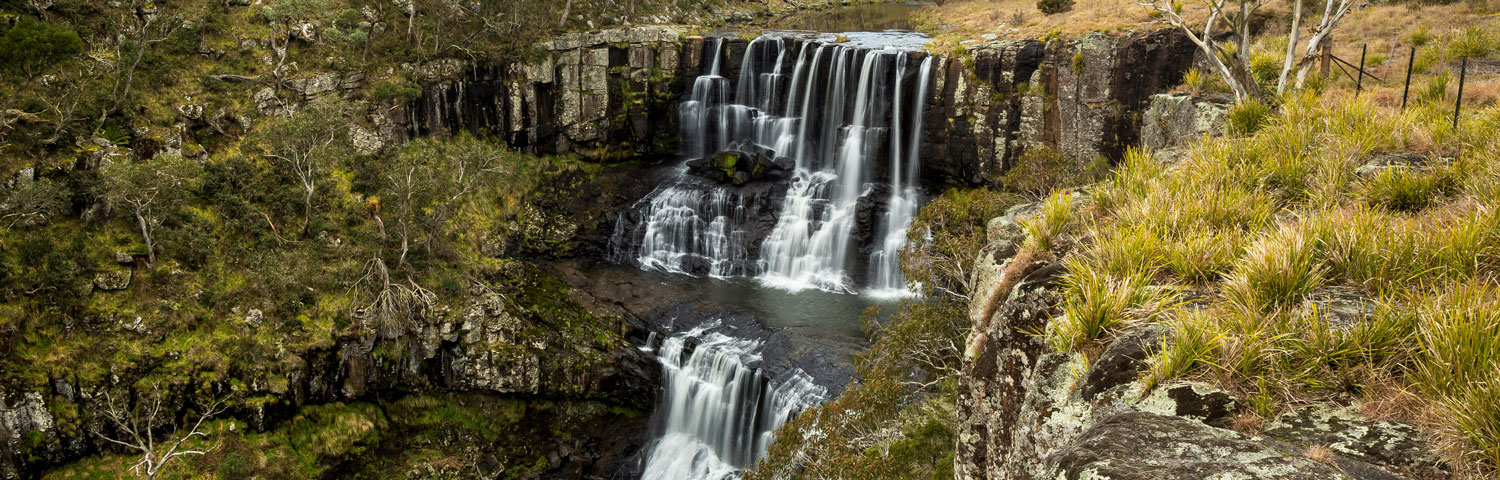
(804, 174)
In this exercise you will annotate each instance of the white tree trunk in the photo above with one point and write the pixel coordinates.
(140, 218)
(1291, 47)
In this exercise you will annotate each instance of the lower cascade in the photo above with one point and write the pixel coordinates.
(717, 413)
(801, 172)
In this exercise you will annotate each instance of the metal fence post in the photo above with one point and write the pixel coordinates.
(1463, 71)
(1406, 90)
(1360, 82)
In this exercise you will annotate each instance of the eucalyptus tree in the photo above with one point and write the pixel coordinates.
(151, 189)
(310, 143)
(1231, 60)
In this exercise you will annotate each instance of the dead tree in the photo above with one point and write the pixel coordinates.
(136, 429)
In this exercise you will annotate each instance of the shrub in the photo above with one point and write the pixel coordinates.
(1050, 7)
(1247, 117)
(32, 44)
(395, 92)
(32, 203)
(946, 234)
(1042, 169)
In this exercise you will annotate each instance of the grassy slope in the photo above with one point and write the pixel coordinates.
(1289, 216)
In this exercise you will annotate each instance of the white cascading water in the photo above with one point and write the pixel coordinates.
(885, 263)
(846, 106)
(716, 414)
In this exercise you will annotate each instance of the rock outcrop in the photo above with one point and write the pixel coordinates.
(1172, 120)
(1085, 97)
(608, 94)
(1027, 411)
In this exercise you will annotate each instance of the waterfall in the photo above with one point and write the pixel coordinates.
(842, 133)
(885, 263)
(717, 414)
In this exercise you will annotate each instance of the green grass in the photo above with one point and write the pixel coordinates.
(1276, 271)
(1247, 117)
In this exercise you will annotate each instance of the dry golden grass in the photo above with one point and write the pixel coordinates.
(958, 21)
(1320, 454)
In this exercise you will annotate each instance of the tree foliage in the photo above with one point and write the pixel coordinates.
(310, 144)
(32, 45)
(429, 181)
(149, 189)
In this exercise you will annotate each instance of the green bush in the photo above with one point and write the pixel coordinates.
(1266, 68)
(1050, 7)
(1041, 169)
(392, 92)
(33, 44)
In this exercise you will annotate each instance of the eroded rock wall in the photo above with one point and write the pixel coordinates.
(1084, 97)
(612, 94)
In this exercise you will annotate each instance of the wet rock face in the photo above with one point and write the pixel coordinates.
(736, 167)
(1085, 97)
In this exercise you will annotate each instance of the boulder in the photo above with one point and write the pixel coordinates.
(1148, 446)
(1124, 360)
(112, 279)
(1397, 448)
(1390, 161)
(1177, 119)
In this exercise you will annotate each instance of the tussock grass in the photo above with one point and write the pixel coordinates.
(1042, 230)
(1401, 189)
(1459, 363)
(1276, 271)
(1099, 303)
(1258, 228)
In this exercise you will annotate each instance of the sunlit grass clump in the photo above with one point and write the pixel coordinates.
(1236, 244)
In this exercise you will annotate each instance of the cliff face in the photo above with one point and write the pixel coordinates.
(614, 94)
(1083, 97)
(609, 94)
